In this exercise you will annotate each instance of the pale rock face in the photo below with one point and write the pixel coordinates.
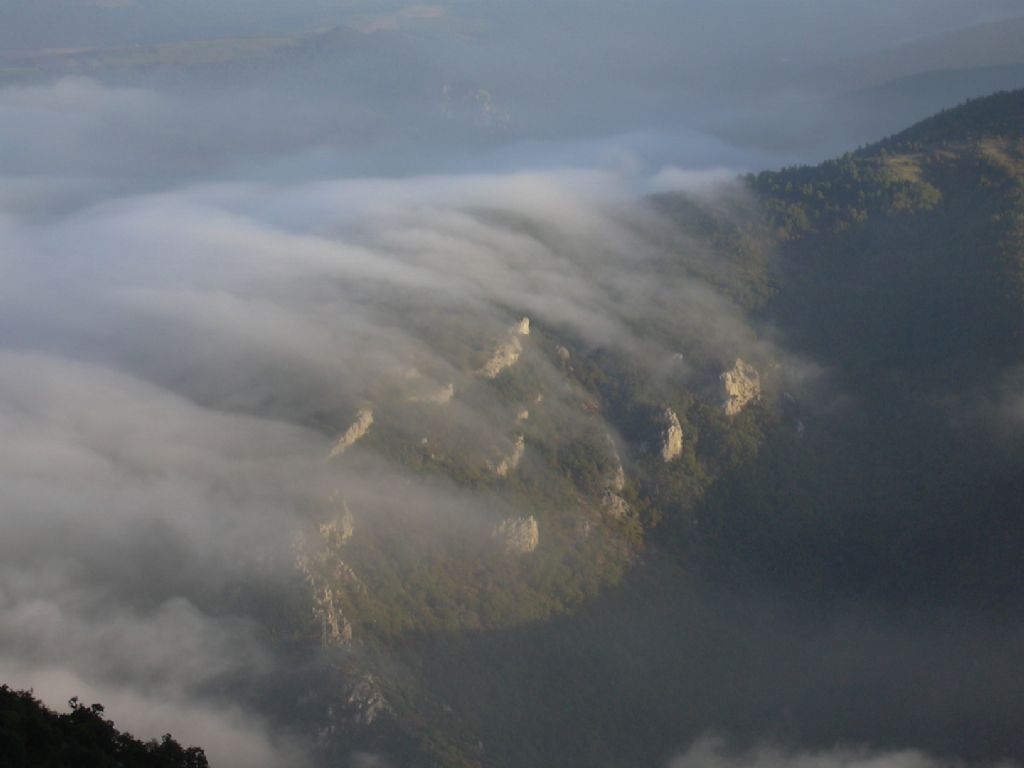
(316, 567)
(507, 353)
(672, 437)
(339, 630)
(339, 530)
(617, 478)
(319, 561)
(366, 702)
(522, 416)
(518, 535)
(509, 463)
(614, 505)
(355, 433)
(742, 385)
(505, 356)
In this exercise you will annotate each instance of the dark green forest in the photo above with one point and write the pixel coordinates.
(33, 736)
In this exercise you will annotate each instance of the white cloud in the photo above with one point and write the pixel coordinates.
(711, 752)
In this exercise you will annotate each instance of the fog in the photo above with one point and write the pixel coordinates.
(207, 267)
(369, 87)
(178, 361)
(710, 752)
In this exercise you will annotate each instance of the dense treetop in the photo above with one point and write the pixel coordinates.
(33, 736)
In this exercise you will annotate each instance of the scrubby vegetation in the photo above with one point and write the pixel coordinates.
(33, 736)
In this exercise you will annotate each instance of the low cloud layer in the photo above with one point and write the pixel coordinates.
(176, 364)
(712, 752)
(193, 309)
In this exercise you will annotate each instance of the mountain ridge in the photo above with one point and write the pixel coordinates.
(885, 492)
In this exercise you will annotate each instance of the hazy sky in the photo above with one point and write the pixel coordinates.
(735, 27)
(734, 83)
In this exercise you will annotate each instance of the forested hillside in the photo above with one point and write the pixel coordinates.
(903, 274)
(874, 466)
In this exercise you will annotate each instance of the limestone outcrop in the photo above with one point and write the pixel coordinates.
(366, 703)
(741, 385)
(614, 505)
(518, 535)
(320, 563)
(508, 351)
(338, 530)
(672, 436)
(356, 431)
(510, 462)
(339, 629)
(616, 479)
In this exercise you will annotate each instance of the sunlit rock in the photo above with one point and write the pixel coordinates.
(510, 462)
(518, 535)
(616, 479)
(741, 386)
(338, 530)
(339, 629)
(366, 703)
(320, 563)
(508, 351)
(317, 566)
(505, 356)
(672, 436)
(355, 433)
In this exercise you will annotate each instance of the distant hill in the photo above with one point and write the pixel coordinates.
(882, 109)
(994, 44)
(852, 101)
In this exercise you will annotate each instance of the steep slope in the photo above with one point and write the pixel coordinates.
(910, 247)
(665, 543)
(884, 487)
(904, 275)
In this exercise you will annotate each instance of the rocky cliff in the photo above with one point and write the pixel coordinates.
(356, 431)
(518, 535)
(672, 436)
(741, 385)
